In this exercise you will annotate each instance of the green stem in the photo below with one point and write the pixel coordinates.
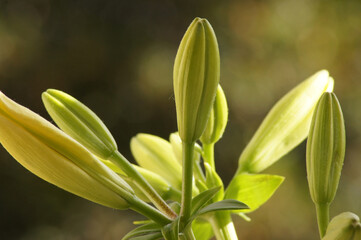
(198, 173)
(323, 217)
(145, 209)
(222, 226)
(188, 233)
(142, 183)
(208, 154)
(187, 182)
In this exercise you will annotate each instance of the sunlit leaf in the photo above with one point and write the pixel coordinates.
(253, 189)
(146, 229)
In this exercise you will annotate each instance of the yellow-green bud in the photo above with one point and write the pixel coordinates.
(345, 226)
(176, 143)
(325, 149)
(286, 125)
(52, 155)
(156, 154)
(79, 122)
(217, 121)
(160, 185)
(196, 77)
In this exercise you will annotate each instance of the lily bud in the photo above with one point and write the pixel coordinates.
(345, 226)
(286, 125)
(160, 185)
(55, 157)
(217, 121)
(325, 149)
(81, 123)
(156, 154)
(196, 77)
(176, 143)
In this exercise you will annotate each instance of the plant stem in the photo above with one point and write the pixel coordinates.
(145, 209)
(208, 154)
(323, 212)
(188, 233)
(223, 227)
(198, 174)
(187, 181)
(142, 183)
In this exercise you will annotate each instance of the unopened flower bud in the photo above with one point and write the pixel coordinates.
(156, 154)
(196, 77)
(345, 226)
(176, 143)
(325, 149)
(160, 185)
(81, 123)
(286, 125)
(218, 118)
(55, 157)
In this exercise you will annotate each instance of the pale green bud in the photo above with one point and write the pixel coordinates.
(160, 185)
(217, 121)
(345, 226)
(55, 157)
(79, 122)
(325, 149)
(196, 77)
(286, 125)
(176, 143)
(156, 154)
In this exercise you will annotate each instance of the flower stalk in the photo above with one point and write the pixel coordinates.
(186, 204)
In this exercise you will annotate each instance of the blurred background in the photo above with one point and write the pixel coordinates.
(117, 58)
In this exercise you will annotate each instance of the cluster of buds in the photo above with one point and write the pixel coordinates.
(57, 158)
(82, 156)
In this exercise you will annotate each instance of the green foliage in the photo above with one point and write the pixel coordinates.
(201, 199)
(202, 229)
(149, 229)
(223, 205)
(253, 189)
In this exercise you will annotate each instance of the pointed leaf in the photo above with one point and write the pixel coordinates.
(253, 189)
(151, 236)
(201, 199)
(171, 231)
(142, 230)
(224, 205)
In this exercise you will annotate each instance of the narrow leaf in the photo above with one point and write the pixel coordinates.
(201, 199)
(151, 236)
(228, 204)
(171, 231)
(142, 230)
